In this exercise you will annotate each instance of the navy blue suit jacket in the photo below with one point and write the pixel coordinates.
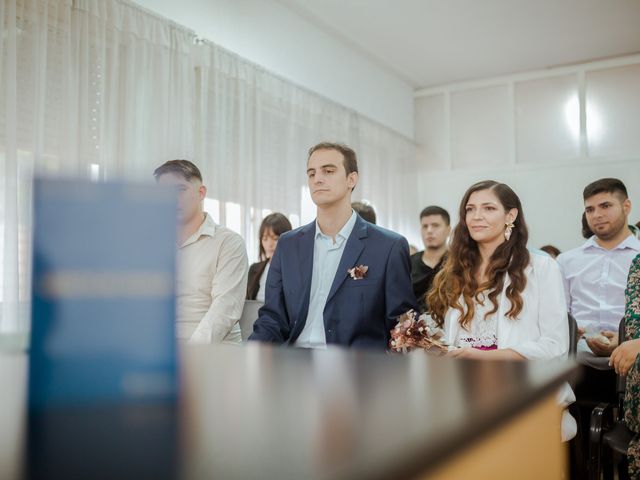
(358, 313)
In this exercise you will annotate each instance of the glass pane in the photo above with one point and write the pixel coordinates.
(212, 207)
(547, 119)
(613, 106)
(307, 207)
(233, 217)
(431, 132)
(480, 127)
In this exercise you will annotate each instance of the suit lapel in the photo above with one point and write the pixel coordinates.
(305, 245)
(352, 250)
(305, 254)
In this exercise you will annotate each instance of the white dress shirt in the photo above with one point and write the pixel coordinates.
(263, 283)
(594, 281)
(212, 285)
(326, 258)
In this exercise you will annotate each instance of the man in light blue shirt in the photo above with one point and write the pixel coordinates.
(595, 277)
(327, 253)
(338, 280)
(595, 274)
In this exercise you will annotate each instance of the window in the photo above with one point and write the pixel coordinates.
(212, 207)
(233, 217)
(307, 207)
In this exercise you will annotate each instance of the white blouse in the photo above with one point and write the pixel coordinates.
(263, 283)
(481, 332)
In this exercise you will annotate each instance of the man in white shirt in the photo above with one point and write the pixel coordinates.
(595, 277)
(595, 274)
(212, 263)
(338, 280)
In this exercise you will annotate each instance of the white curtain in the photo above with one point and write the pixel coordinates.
(104, 89)
(253, 133)
(96, 88)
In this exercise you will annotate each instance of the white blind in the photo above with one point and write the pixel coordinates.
(103, 89)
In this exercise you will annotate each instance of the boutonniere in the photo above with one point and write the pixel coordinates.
(359, 272)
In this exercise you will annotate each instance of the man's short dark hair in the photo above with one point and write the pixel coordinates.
(605, 185)
(349, 156)
(435, 210)
(365, 210)
(184, 168)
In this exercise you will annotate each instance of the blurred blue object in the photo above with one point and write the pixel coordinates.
(103, 306)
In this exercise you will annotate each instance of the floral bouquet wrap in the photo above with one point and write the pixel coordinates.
(412, 333)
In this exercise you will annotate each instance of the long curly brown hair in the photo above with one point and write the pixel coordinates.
(458, 276)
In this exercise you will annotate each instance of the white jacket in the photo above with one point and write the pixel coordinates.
(541, 330)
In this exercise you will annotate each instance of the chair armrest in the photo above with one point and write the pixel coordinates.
(601, 420)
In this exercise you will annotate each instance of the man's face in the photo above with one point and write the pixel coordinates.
(327, 178)
(606, 214)
(434, 231)
(191, 193)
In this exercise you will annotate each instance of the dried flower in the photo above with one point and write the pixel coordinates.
(411, 333)
(359, 272)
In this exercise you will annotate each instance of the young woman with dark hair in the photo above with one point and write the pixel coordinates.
(272, 226)
(493, 298)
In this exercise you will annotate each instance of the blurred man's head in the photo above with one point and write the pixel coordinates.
(365, 210)
(186, 177)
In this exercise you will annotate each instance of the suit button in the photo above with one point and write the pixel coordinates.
(330, 331)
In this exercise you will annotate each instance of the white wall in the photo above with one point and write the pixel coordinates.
(551, 197)
(547, 134)
(267, 33)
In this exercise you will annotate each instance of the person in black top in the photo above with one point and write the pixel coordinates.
(272, 226)
(435, 229)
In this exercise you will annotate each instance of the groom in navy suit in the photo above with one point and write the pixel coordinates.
(338, 280)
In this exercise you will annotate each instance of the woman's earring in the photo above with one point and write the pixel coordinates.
(508, 229)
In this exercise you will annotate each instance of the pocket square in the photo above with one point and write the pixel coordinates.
(359, 272)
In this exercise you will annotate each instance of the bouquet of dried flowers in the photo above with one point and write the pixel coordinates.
(411, 333)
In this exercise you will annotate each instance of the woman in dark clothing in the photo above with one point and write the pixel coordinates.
(272, 226)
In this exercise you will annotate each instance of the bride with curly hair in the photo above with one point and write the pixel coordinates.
(494, 298)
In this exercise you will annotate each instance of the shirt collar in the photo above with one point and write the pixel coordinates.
(207, 228)
(344, 231)
(630, 242)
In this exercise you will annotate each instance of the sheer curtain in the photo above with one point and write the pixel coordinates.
(103, 89)
(87, 88)
(253, 133)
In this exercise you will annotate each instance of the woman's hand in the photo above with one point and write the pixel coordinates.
(476, 354)
(466, 352)
(624, 356)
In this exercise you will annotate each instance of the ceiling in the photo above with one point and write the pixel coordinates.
(435, 42)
